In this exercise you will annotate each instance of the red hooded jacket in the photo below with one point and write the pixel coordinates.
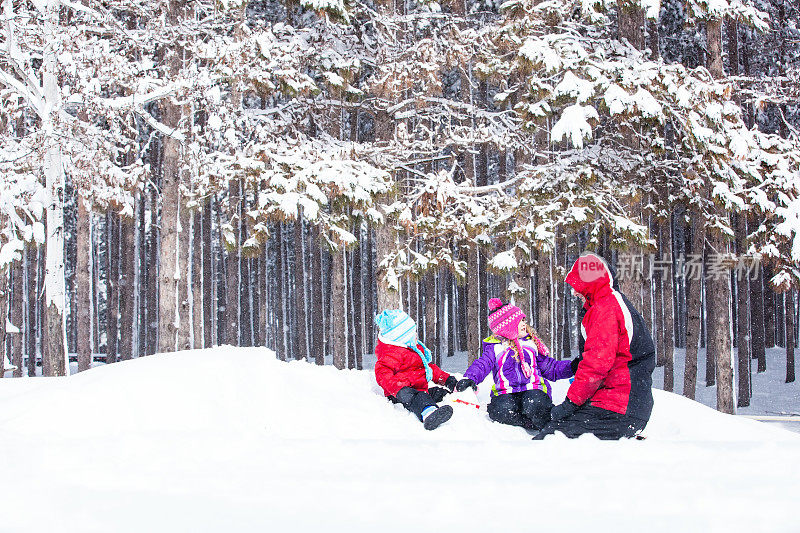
(618, 354)
(399, 367)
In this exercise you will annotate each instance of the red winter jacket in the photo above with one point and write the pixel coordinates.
(618, 354)
(399, 367)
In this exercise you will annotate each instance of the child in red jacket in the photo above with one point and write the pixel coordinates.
(404, 368)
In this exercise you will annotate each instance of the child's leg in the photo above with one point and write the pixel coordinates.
(505, 409)
(421, 404)
(536, 406)
(415, 401)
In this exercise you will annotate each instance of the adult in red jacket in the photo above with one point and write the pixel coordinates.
(404, 368)
(611, 395)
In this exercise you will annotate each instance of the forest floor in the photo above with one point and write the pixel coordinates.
(230, 439)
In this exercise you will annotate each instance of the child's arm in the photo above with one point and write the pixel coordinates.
(550, 368)
(484, 364)
(385, 377)
(439, 375)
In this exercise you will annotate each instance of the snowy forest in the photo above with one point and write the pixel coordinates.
(180, 175)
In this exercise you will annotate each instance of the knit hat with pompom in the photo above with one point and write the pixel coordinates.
(504, 321)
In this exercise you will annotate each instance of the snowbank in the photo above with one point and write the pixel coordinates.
(231, 439)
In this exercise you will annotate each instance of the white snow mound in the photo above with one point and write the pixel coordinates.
(232, 439)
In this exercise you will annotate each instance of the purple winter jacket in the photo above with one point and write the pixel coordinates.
(498, 358)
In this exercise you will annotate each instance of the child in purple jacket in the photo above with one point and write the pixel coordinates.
(521, 365)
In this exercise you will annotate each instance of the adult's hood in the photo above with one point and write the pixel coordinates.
(591, 276)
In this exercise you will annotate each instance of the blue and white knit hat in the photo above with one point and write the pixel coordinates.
(397, 328)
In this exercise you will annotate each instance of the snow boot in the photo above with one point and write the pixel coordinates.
(434, 417)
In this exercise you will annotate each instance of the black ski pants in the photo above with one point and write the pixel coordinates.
(414, 400)
(604, 424)
(529, 409)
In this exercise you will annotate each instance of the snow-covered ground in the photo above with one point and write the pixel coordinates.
(230, 439)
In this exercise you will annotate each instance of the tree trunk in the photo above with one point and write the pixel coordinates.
(338, 310)
(83, 277)
(719, 342)
(5, 294)
(299, 292)
(358, 310)
(112, 287)
(388, 297)
(694, 280)
(198, 335)
(667, 281)
(18, 316)
(317, 341)
(473, 300)
(127, 290)
(277, 279)
(430, 311)
(544, 306)
(743, 322)
(769, 309)
(371, 285)
(54, 341)
(232, 266)
(168, 274)
(790, 340)
(631, 24)
(208, 279)
(33, 283)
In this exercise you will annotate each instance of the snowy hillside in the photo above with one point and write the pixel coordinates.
(230, 439)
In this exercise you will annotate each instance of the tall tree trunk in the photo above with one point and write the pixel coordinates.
(5, 293)
(790, 340)
(299, 291)
(769, 309)
(168, 274)
(544, 326)
(743, 322)
(55, 334)
(32, 289)
(232, 265)
(18, 316)
(669, 317)
(83, 278)
(198, 335)
(430, 311)
(127, 289)
(719, 342)
(112, 287)
(152, 273)
(473, 301)
(631, 24)
(694, 280)
(358, 310)
(338, 311)
(317, 340)
(279, 304)
(371, 284)
(208, 279)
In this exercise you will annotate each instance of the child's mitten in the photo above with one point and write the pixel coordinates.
(464, 384)
(437, 393)
(451, 383)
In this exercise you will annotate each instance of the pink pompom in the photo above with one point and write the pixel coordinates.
(495, 303)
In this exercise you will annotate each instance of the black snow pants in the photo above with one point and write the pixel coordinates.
(414, 400)
(604, 424)
(529, 409)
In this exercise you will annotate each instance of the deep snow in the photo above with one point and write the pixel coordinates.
(230, 439)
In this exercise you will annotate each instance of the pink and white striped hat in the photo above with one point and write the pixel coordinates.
(505, 319)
